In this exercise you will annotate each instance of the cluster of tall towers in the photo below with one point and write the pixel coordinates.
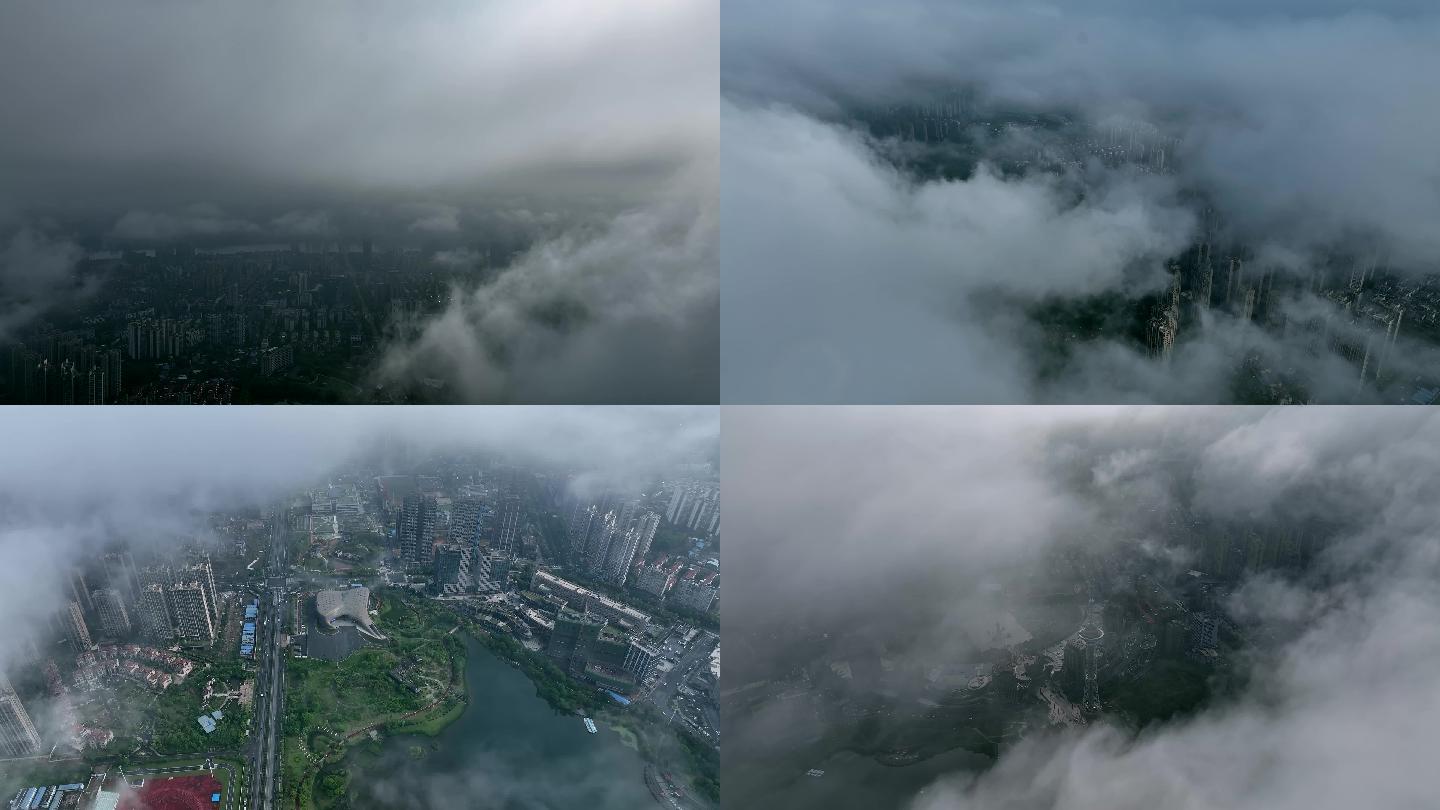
(162, 602)
(695, 506)
(606, 538)
(420, 520)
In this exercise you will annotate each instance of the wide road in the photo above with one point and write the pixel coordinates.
(697, 656)
(270, 680)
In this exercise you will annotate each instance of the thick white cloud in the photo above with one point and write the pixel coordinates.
(1307, 125)
(626, 311)
(842, 513)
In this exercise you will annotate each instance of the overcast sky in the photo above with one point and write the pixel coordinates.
(588, 130)
(840, 517)
(148, 106)
(76, 479)
(1310, 125)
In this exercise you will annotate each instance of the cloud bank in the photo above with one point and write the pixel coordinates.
(1338, 710)
(1295, 129)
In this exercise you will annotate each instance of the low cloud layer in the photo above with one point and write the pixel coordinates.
(1339, 711)
(625, 311)
(1297, 130)
(149, 106)
(36, 271)
(447, 127)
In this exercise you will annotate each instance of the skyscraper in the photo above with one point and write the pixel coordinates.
(18, 737)
(506, 524)
(465, 522)
(646, 526)
(415, 529)
(193, 615)
(154, 612)
(579, 530)
(114, 618)
(619, 556)
(447, 564)
(597, 545)
(73, 619)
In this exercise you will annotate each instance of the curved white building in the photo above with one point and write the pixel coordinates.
(351, 605)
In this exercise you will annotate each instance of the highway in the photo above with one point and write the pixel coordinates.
(270, 677)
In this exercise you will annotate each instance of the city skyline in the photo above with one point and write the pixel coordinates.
(203, 575)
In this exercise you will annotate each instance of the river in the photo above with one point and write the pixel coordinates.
(508, 750)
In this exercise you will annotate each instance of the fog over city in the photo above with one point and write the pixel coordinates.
(79, 481)
(913, 181)
(511, 144)
(860, 533)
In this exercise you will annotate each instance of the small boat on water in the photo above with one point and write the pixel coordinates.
(590, 725)
(814, 772)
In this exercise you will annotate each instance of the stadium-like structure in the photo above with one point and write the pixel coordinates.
(351, 604)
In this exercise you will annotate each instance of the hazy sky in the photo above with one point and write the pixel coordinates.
(1308, 124)
(150, 106)
(840, 517)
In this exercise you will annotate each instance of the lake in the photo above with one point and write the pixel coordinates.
(508, 750)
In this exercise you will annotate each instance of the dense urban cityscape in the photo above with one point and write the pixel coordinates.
(282, 658)
(248, 324)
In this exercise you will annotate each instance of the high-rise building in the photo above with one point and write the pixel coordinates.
(597, 545)
(499, 565)
(114, 618)
(447, 564)
(121, 573)
(193, 614)
(203, 573)
(579, 529)
(619, 556)
(80, 589)
(505, 526)
(465, 521)
(73, 620)
(646, 526)
(154, 610)
(415, 529)
(18, 737)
